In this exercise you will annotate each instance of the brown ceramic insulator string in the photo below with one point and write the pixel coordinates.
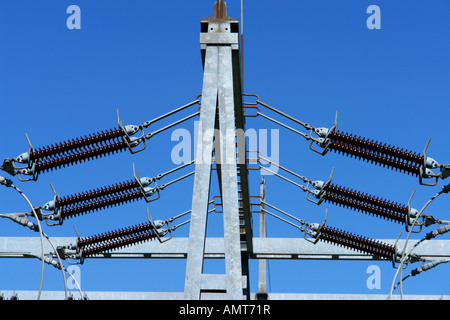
(74, 144)
(82, 155)
(111, 235)
(82, 208)
(370, 199)
(381, 159)
(96, 193)
(117, 244)
(365, 243)
(376, 146)
(364, 207)
(355, 242)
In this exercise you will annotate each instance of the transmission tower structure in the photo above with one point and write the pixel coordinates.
(221, 147)
(222, 113)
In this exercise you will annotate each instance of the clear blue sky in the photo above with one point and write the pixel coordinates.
(307, 58)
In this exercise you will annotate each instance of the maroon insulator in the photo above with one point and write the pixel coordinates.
(376, 147)
(117, 243)
(108, 236)
(96, 193)
(358, 205)
(63, 147)
(100, 204)
(359, 196)
(371, 156)
(356, 242)
(62, 161)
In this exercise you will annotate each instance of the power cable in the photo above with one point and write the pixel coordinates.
(8, 183)
(404, 255)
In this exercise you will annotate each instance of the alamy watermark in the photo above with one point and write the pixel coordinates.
(374, 280)
(374, 20)
(256, 143)
(74, 20)
(73, 282)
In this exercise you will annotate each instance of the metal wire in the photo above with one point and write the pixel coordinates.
(304, 124)
(148, 123)
(8, 183)
(404, 254)
(301, 221)
(421, 269)
(151, 134)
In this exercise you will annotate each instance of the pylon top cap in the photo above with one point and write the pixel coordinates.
(220, 11)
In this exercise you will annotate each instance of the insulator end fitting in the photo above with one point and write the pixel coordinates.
(321, 142)
(149, 191)
(145, 181)
(23, 158)
(322, 132)
(427, 173)
(131, 129)
(413, 213)
(135, 142)
(159, 223)
(49, 206)
(431, 163)
(318, 184)
(26, 171)
(314, 227)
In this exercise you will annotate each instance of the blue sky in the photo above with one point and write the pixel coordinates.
(307, 58)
